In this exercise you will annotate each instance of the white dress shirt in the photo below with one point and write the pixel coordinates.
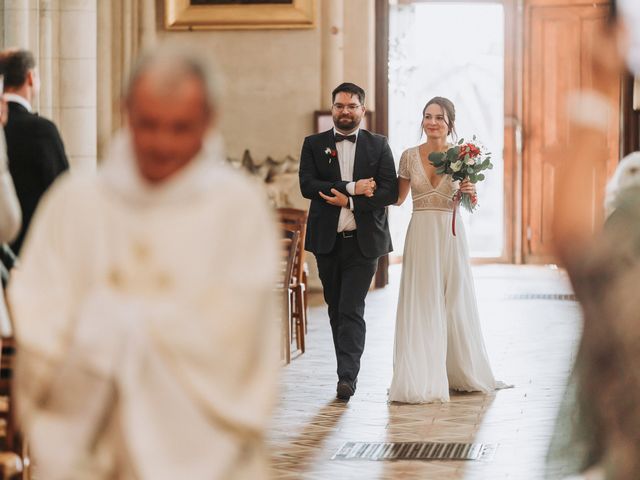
(346, 157)
(12, 97)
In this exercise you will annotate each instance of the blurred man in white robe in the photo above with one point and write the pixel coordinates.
(142, 307)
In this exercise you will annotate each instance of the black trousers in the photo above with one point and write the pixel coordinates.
(346, 276)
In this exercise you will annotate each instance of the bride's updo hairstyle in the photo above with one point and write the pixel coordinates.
(450, 114)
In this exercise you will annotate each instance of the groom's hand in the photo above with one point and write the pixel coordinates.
(339, 200)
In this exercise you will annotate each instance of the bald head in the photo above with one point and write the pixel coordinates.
(170, 107)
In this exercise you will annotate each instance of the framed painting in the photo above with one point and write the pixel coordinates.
(323, 120)
(239, 14)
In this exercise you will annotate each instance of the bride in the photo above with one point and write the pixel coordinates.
(438, 341)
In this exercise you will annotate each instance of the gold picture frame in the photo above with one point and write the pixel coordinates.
(236, 15)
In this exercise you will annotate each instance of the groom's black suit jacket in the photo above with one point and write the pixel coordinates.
(373, 158)
(36, 157)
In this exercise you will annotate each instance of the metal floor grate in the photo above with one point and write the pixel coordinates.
(543, 296)
(414, 451)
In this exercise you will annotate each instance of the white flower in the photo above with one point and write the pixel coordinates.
(470, 161)
(328, 151)
(456, 166)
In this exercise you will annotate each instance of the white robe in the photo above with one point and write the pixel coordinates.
(10, 213)
(147, 346)
(10, 221)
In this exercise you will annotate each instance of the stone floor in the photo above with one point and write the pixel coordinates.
(530, 343)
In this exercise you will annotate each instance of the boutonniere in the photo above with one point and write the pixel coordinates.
(331, 153)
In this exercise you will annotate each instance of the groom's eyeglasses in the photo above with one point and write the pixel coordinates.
(352, 107)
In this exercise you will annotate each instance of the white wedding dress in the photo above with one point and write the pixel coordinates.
(438, 340)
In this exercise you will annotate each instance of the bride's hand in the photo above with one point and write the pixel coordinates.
(467, 187)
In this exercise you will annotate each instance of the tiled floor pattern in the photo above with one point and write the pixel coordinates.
(530, 343)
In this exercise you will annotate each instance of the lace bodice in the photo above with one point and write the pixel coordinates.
(425, 196)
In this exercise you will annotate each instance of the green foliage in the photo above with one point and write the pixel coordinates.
(465, 201)
(437, 158)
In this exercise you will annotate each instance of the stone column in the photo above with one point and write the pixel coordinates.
(78, 82)
(61, 35)
(17, 23)
(332, 48)
(48, 58)
(107, 91)
(360, 56)
(148, 31)
(125, 27)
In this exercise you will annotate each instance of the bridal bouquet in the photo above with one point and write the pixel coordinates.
(464, 160)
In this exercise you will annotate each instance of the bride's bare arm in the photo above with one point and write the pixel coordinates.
(403, 190)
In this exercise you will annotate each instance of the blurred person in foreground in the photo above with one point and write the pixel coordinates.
(142, 305)
(10, 213)
(597, 435)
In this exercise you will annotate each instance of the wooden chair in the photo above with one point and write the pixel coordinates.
(289, 249)
(12, 448)
(14, 461)
(293, 219)
(11, 466)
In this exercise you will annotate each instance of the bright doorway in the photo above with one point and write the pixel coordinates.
(455, 50)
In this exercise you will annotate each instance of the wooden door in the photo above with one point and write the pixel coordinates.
(559, 37)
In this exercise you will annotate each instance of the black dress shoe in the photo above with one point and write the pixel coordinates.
(345, 390)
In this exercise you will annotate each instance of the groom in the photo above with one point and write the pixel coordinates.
(350, 177)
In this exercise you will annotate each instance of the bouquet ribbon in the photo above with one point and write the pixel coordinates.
(456, 202)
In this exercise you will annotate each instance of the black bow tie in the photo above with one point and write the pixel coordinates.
(351, 138)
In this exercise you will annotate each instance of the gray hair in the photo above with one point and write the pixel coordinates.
(627, 175)
(173, 63)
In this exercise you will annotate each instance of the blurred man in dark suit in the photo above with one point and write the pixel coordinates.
(34, 147)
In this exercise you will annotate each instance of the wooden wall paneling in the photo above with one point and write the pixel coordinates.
(559, 40)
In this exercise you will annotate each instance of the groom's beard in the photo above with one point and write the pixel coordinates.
(346, 123)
